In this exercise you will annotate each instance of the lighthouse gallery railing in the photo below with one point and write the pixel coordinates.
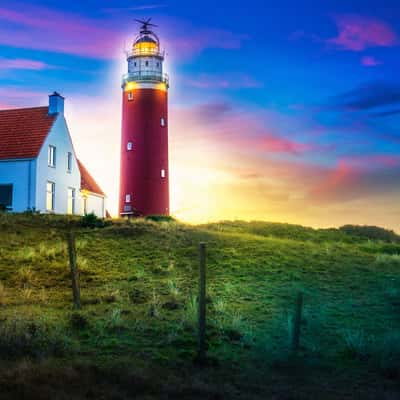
(152, 76)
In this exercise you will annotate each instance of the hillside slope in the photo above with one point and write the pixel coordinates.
(139, 286)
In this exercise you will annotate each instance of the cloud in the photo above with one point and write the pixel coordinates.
(41, 28)
(186, 40)
(227, 81)
(14, 96)
(369, 61)
(368, 96)
(359, 177)
(19, 63)
(357, 33)
(134, 8)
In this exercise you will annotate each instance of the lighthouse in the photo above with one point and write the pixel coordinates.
(144, 182)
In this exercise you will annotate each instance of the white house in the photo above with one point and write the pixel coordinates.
(39, 169)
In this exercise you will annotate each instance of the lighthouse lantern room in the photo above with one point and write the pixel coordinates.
(144, 178)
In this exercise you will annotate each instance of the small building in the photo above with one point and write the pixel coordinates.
(39, 169)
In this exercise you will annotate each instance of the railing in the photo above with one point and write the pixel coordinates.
(145, 52)
(147, 76)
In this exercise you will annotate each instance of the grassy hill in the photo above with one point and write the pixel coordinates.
(135, 334)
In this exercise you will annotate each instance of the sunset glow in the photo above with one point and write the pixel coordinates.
(290, 121)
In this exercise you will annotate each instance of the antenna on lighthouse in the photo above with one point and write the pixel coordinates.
(145, 25)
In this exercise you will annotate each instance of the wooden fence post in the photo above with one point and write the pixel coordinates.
(296, 328)
(74, 270)
(202, 346)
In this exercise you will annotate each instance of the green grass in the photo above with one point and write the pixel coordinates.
(139, 295)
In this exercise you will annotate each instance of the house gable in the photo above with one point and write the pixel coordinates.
(63, 179)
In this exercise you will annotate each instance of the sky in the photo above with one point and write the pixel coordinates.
(285, 112)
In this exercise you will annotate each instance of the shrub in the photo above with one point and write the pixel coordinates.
(160, 218)
(33, 338)
(92, 221)
(371, 232)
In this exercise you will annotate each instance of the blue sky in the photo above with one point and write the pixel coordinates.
(305, 95)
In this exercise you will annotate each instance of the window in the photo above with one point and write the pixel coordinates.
(163, 173)
(162, 121)
(147, 63)
(135, 64)
(158, 64)
(128, 198)
(69, 162)
(50, 196)
(71, 201)
(130, 96)
(6, 195)
(52, 156)
(129, 146)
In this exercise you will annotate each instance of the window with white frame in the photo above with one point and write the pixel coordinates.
(163, 173)
(162, 121)
(69, 162)
(71, 201)
(130, 96)
(51, 158)
(50, 196)
(129, 146)
(127, 198)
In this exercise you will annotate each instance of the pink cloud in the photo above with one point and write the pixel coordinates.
(276, 144)
(358, 177)
(344, 174)
(240, 130)
(369, 61)
(357, 33)
(22, 64)
(45, 29)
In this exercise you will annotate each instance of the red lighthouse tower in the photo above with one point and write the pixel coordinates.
(144, 187)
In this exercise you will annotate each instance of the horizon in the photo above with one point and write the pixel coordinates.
(291, 117)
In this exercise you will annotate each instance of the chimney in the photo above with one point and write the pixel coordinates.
(56, 104)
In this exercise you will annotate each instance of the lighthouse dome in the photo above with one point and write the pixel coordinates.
(145, 39)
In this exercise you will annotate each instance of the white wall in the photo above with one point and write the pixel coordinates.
(22, 175)
(60, 138)
(95, 204)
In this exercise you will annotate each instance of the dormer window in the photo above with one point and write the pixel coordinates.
(51, 157)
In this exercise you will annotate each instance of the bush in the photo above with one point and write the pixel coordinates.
(160, 218)
(371, 232)
(92, 221)
(33, 338)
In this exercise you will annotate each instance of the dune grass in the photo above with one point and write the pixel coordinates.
(139, 293)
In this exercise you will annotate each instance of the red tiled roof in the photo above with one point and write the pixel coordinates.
(88, 182)
(23, 131)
